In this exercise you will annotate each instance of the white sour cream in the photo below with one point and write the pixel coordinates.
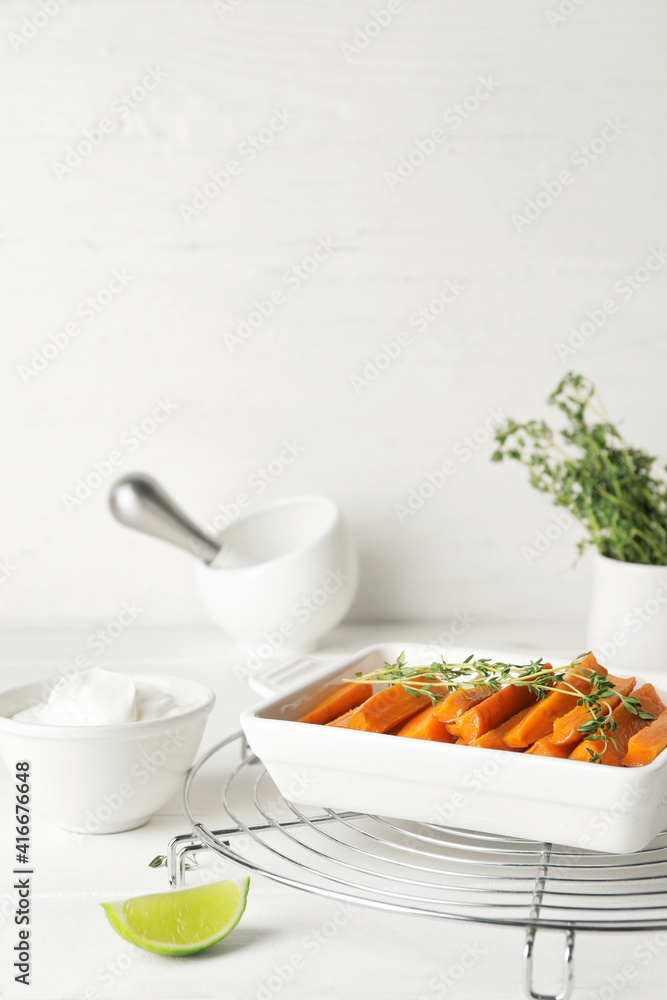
(98, 697)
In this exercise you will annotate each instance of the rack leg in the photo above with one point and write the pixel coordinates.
(568, 968)
(177, 851)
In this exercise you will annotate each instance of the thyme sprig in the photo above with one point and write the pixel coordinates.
(539, 677)
(160, 861)
(617, 492)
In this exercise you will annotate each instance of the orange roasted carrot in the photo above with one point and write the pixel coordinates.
(387, 709)
(425, 725)
(645, 745)
(545, 747)
(459, 701)
(540, 720)
(493, 740)
(491, 712)
(341, 721)
(627, 724)
(566, 727)
(344, 698)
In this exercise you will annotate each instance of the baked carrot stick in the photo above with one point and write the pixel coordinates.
(645, 745)
(387, 709)
(627, 724)
(459, 701)
(425, 725)
(491, 712)
(540, 720)
(493, 740)
(341, 721)
(566, 726)
(545, 747)
(345, 697)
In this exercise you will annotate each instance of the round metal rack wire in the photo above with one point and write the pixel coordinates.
(422, 868)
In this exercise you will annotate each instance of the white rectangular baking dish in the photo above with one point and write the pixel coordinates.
(576, 804)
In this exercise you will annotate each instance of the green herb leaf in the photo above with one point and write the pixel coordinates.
(611, 488)
(537, 676)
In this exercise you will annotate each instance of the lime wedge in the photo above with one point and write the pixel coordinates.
(182, 921)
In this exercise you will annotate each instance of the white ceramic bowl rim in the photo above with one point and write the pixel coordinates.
(267, 508)
(631, 566)
(124, 730)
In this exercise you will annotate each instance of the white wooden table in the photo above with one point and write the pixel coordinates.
(289, 944)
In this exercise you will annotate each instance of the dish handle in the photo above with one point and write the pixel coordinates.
(275, 678)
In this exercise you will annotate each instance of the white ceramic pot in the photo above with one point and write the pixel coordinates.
(104, 779)
(287, 574)
(627, 625)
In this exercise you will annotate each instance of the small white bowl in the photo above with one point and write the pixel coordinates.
(286, 575)
(104, 779)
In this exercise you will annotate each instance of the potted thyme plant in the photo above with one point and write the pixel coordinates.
(618, 494)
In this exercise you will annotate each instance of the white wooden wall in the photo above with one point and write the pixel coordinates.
(327, 170)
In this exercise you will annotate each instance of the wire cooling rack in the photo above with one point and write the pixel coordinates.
(426, 869)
